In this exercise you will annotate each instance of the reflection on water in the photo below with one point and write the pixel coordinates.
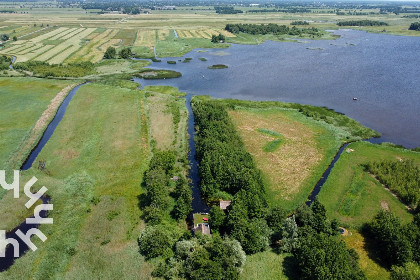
(380, 70)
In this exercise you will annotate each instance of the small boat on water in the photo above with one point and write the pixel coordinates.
(355, 98)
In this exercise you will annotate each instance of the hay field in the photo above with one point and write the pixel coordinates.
(293, 168)
(205, 33)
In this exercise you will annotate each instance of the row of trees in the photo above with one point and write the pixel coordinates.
(401, 177)
(270, 28)
(111, 53)
(398, 245)
(159, 189)
(364, 22)
(227, 10)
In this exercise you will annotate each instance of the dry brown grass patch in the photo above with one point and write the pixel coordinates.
(293, 162)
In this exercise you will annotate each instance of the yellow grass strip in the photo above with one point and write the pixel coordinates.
(212, 32)
(63, 55)
(58, 36)
(188, 34)
(11, 49)
(32, 54)
(74, 40)
(227, 33)
(48, 35)
(98, 40)
(32, 48)
(72, 34)
(180, 33)
(146, 38)
(162, 34)
(204, 34)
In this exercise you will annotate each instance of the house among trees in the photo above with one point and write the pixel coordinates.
(201, 223)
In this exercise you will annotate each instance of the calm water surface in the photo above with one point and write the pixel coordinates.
(381, 70)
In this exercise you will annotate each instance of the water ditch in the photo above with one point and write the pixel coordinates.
(9, 258)
(50, 129)
(198, 204)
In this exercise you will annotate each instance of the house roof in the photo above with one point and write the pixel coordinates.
(224, 204)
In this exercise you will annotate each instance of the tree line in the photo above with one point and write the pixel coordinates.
(364, 22)
(227, 10)
(271, 28)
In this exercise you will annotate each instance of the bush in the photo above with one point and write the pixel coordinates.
(155, 241)
(110, 53)
(126, 53)
(415, 26)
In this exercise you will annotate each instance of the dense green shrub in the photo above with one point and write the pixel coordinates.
(415, 26)
(155, 241)
(43, 69)
(271, 28)
(110, 53)
(324, 257)
(401, 177)
(362, 23)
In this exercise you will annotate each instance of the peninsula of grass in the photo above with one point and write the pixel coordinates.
(218, 66)
(151, 74)
(292, 144)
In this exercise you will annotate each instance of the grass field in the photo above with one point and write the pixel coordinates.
(265, 265)
(94, 192)
(22, 102)
(296, 163)
(352, 195)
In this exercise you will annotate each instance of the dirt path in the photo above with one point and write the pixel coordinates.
(29, 143)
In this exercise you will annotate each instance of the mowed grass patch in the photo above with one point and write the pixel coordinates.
(264, 265)
(22, 102)
(97, 157)
(352, 195)
(294, 164)
(179, 46)
(167, 118)
(372, 270)
(126, 36)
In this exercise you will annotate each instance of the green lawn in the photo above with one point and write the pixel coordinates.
(267, 265)
(352, 195)
(22, 102)
(96, 159)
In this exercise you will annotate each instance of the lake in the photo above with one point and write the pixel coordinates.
(381, 70)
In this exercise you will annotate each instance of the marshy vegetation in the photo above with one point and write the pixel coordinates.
(218, 66)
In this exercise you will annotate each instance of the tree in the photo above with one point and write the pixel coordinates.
(415, 26)
(410, 271)
(218, 38)
(110, 53)
(391, 240)
(155, 241)
(4, 37)
(126, 53)
(217, 218)
(324, 257)
(290, 238)
(14, 38)
(275, 221)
